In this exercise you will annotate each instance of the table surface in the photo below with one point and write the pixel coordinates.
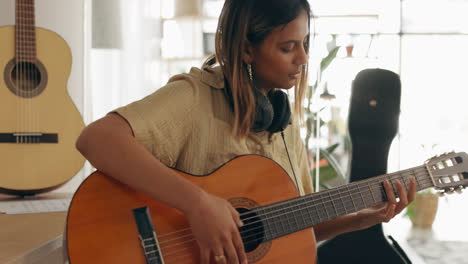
(23, 235)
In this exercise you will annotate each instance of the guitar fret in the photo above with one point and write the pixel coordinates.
(344, 205)
(284, 225)
(26, 42)
(27, 28)
(304, 214)
(323, 205)
(290, 218)
(405, 184)
(351, 198)
(26, 37)
(25, 8)
(290, 226)
(418, 184)
(333, 203)
(273, 223)
(266, 221)
(309, 220)
(355, 196)
(26, 56)
(347, 202)
(360, 194)
(317, 212)
(25, 11)
(24, 18)
(308, 208)
(372, 193)
(338, 203)
(391, 187)
(299, 210)
(25, 49)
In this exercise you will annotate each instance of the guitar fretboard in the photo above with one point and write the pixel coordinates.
(293, 215)
(25, 32)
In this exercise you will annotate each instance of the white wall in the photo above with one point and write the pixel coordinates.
(66, 18)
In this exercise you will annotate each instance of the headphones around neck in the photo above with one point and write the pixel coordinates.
(272, 111)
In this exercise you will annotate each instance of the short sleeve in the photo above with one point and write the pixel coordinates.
(163, 121)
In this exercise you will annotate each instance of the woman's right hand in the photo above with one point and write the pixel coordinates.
(214, 223)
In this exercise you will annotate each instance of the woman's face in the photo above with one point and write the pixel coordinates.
(278, 61)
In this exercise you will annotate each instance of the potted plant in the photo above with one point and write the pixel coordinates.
(330, 172)
(422, 211)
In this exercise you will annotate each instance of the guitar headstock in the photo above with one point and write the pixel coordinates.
(449, 171)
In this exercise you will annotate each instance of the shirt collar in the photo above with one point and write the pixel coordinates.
(213, 77)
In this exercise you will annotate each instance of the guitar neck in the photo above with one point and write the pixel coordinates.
(25, 32)
(293, 215)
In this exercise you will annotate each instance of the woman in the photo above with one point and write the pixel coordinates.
(201, 120)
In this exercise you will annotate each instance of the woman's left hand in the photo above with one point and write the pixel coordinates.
(384, 212)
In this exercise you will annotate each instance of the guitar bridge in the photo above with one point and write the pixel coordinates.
(148, 238)
(28, 138)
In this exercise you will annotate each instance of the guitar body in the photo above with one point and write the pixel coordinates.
(101, 227)
(29, 168)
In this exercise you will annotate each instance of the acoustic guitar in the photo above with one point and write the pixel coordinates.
(39, 122)
(109, 222)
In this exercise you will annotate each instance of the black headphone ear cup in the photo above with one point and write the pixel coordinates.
(281, 109)
(263, 112)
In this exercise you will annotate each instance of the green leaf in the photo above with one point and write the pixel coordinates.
(328, 59)
(332, 148)
(331, 171)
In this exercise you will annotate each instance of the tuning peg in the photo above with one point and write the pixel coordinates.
(450, 190)
(459, 189)
(441, 194)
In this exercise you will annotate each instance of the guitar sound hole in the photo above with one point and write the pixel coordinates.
(25, 79)
(26, 76)
(252, 232)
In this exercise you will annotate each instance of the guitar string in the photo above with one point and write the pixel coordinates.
(23, 71)
(28, 75)
(172, 254)
(23, 74)
(34, 76)
(350, 185)
(19, 69)
(26, 72)
(31, 72)
(314, 202)
(13, 77)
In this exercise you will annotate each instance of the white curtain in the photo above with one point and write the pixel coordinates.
(124, 59)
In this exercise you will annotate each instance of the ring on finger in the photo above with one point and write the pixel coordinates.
(219, 258)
